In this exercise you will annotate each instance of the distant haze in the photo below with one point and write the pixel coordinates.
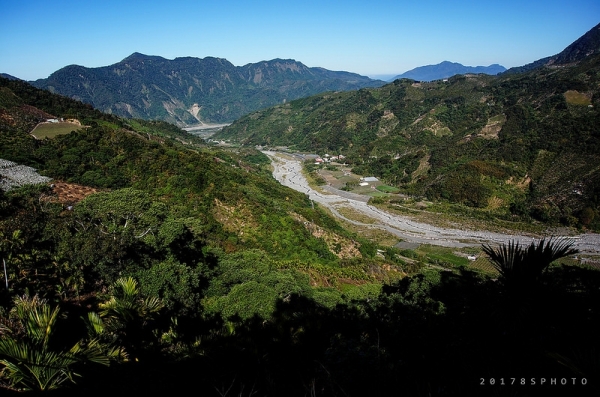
(384, 77)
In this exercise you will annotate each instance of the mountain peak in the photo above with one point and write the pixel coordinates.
(137, 56)
(582, 48)
(448, 69)
(586, 45)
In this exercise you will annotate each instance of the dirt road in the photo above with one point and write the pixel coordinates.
(287, 169)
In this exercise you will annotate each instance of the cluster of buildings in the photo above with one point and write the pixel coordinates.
(327, 159)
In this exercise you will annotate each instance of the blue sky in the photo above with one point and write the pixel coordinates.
(376, 37)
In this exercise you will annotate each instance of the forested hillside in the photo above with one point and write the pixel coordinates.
(520, 146)
(189, 91)
(158, 265)
(231, 194)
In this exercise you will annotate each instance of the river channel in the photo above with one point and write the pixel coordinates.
(287, 169)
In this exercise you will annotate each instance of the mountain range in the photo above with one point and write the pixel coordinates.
(189, 91)
(160, 264)
(447, 69)
(514, 144)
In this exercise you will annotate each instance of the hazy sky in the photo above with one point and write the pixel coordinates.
(374, 37)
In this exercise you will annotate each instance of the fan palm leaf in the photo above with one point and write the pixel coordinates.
(32, 367)
(524, 265)
(26, 358)
(125, 304)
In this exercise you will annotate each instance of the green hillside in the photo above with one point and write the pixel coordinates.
(231, 193)
(517, 145)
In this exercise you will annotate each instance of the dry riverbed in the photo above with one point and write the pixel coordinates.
(287, 169)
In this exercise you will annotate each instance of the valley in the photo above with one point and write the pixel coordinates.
(288, 171)
(205, 130)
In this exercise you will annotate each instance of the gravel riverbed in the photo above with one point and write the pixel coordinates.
(287, 169)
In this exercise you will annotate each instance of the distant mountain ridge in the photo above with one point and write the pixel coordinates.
(188, 91)
(8, 76)
(446, 70)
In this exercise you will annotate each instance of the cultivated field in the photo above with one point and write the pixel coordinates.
(50, 130)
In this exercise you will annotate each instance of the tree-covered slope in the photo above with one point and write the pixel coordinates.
(189, 268)
(230, 190)
(188, 91)
(162, 198)
(521, 145)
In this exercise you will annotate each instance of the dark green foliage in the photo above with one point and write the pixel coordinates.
(31, 352)
(249, 284)
(520, 267)
(127, 313)
(462, 185)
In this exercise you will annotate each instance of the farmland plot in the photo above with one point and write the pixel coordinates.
(50, 130)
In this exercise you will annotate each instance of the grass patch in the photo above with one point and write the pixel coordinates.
(483, 264)
(376, 235)
(442, 256)
(500, 118)
(50, 130)
(387, 189)
(447, 257)
(375, 193)
(577, 98)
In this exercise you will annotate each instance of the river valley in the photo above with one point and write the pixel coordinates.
(287, 169)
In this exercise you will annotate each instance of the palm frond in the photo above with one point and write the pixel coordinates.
(29, 363)
(125, 304)
(128, 285)
(523, 265)
(34, 368)
(507, 258)
(40, 322)
(94, 324)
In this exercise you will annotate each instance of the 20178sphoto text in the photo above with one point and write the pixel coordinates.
(552, 381)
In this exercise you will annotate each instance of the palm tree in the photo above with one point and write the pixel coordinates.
(26, 354)
(126, 313)
(126, 304)
(521, 267)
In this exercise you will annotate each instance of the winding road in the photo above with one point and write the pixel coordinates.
(288, 171)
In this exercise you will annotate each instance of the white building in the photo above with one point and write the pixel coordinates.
(369, 179)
